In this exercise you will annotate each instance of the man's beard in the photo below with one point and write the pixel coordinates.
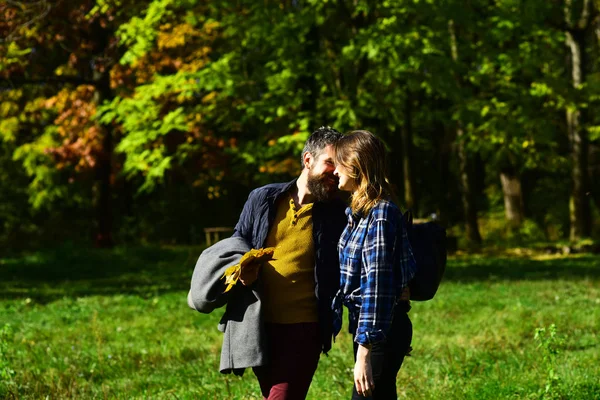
(323, 187)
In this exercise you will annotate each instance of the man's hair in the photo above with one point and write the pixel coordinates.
(318, 140)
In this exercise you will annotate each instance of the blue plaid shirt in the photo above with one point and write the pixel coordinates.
(376, 263)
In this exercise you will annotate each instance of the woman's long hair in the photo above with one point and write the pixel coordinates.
(363, 156)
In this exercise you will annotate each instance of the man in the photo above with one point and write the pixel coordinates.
(303, 221)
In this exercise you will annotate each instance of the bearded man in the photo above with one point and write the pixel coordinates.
(303, 220)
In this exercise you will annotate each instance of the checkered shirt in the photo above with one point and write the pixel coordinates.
(376, 263)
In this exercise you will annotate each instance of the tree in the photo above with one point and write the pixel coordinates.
(71, 49)
(579, 26)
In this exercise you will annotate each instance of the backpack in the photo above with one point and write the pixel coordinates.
(428, 242)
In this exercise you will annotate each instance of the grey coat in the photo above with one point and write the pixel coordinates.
(242, 327)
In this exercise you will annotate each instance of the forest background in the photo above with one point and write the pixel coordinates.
(131, 126)
(127, 122)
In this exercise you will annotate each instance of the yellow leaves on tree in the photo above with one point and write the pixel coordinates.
(287, 166)
(209, 97)
(246, 271)
(176, 37)
(173, 45)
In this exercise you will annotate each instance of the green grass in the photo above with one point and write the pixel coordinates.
(80, 323)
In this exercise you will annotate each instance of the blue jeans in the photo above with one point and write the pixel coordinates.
(387, 356)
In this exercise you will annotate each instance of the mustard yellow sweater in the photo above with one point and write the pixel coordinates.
(288, 280)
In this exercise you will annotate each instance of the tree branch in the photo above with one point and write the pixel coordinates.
(584, 19)
(568, 4)
(46, 11)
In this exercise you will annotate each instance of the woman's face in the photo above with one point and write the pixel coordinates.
(346, 183)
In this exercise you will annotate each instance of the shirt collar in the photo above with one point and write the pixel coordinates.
(352, 218)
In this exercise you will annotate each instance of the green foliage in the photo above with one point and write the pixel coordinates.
(498, 233)
(45, 188)
(6, 372)
(13, 55)
(219, 96)
(594, 132)
(145, 122)
(550, 343)
(139, 33)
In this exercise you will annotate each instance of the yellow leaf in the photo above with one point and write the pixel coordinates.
(231, 275)
(209, 97)
(260, 255)
(171, 38)
(228, 288)
(254, 256)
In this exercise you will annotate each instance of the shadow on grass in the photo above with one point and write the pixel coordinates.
(76, 272)
(148, 271)
(478, 268)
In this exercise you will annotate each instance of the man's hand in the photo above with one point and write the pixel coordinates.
(363, 372)
(251, 262)
(249, 272)
(246, 271)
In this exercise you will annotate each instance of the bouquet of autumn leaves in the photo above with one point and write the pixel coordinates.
(246, 271)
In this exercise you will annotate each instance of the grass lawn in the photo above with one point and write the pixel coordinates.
(80, 323)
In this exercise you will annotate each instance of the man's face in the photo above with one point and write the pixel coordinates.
(321, 182)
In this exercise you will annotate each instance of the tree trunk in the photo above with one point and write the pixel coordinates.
(103, 235)
(410, 197)
(598, 30)
(443, 152)
(468, 197)
(594, 173)
(594, 158)
(513, 198)
(579, 210)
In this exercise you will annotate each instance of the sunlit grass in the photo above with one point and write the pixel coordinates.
(115, 324)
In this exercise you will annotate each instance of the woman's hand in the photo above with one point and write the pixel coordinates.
(405, 296)
(363, 372)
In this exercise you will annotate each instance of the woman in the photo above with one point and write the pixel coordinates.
(376, 264)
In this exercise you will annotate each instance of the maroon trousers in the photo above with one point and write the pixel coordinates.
(294, 351)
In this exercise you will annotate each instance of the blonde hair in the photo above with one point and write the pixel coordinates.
(363, 156)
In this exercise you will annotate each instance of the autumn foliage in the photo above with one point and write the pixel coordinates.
(151, 119)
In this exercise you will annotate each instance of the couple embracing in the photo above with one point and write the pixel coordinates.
(285, 305)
